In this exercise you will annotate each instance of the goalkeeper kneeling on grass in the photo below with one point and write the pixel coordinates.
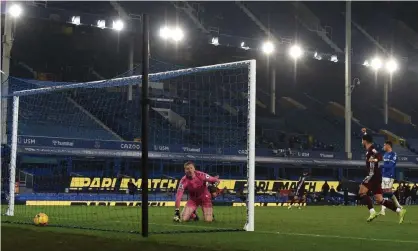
(214, 192)
(199, 195)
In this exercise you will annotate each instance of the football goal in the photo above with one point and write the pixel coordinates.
(76, 149)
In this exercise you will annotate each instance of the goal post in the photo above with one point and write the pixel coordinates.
(13, 157)
(209, 108)
(251, 145)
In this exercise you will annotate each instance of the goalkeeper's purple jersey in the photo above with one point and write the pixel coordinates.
(196, 186)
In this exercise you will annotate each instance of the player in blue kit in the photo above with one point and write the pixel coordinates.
(388, 174)
(374, 181)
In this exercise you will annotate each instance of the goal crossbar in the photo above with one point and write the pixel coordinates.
(131, 80)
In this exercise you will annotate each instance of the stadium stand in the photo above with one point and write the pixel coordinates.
(305, 123)
(42, 117)
(412, 144)
(287, 129)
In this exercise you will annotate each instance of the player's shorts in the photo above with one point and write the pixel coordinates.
(195, 203)
(374, 185)
(387, 183)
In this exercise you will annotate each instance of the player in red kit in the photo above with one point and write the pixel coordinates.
(373, 182)
(195, 182)
(300, 191)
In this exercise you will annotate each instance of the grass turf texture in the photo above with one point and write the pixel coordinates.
(312, 228)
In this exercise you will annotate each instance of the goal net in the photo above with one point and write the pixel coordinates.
(76, 149)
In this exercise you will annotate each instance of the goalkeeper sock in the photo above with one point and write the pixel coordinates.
(194, 216)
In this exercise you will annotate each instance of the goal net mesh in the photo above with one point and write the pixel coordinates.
(78, 148)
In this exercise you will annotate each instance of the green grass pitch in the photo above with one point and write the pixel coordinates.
(311, 228)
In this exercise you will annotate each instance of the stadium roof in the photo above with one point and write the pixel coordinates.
(393, 25)
(378, 27)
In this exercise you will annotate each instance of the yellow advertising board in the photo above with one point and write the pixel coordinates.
(150, 204)
(120, 184)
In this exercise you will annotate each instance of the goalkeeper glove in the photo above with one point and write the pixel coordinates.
(212, 189)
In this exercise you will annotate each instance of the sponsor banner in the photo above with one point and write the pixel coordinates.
(400, 158)
(194, 157)
(46, 142)
(150, 204)
(120, 184)
(109, 148)
(77, 143)
(103, 203)
(270, 204)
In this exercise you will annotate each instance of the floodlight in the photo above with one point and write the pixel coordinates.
(215, 41)
(366, 63)
(317, 56)
(268, 47)
(391, 66)
(15, 10)
(376, 64)
(101, 24)
(334, 58)
(118, 25)
(243, 46)
(76, 20)
(295, 51)
(177, 34)
(165, 33)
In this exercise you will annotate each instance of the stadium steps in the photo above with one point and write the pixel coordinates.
(413, 145)
(92, 117)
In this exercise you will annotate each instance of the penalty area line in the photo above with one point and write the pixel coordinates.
(341, 237)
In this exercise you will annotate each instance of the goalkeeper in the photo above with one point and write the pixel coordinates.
(199, 195)
(214, 191)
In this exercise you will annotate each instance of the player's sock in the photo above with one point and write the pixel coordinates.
(391, 205)
(382, 211)
(395, 200)
(300, 204)
(368, 201)
(291, 204)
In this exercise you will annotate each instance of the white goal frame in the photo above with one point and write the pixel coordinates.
(251, 64)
